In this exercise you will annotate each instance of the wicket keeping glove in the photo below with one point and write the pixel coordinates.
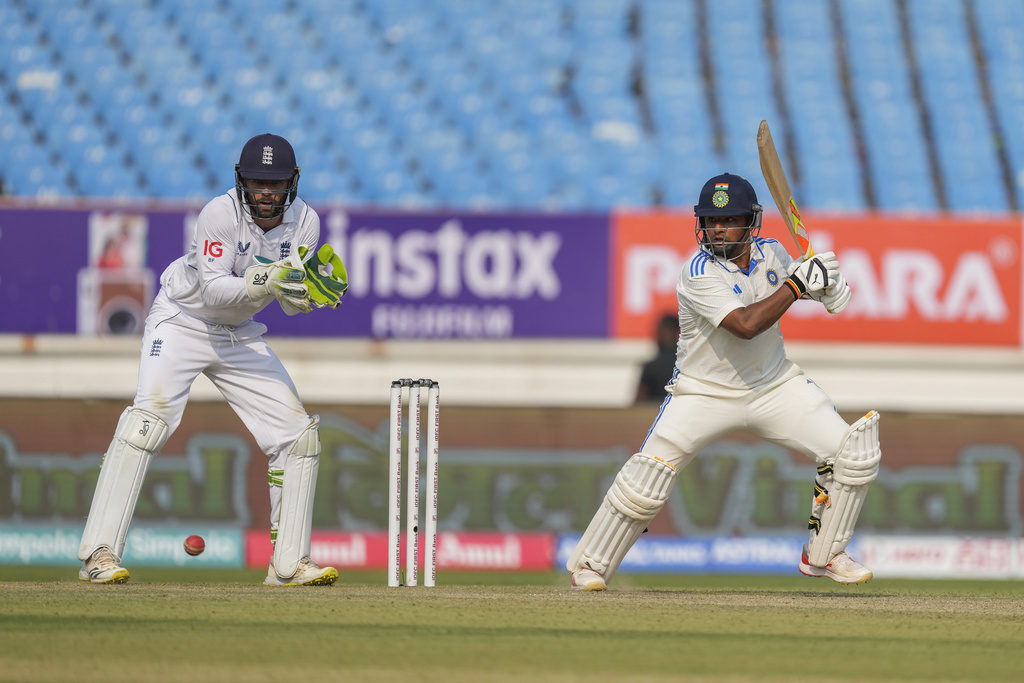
(326, 277)
(279, 279)
(814, 274)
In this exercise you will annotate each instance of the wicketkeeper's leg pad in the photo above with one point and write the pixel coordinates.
(638, 493)
(855, 468)
(139, 436)
(295, 527)
(275, 480)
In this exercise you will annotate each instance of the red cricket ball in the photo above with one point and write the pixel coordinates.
(195, 545)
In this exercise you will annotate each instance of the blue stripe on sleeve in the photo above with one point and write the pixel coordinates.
(697, 264)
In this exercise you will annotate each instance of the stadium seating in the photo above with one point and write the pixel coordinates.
(743, 85)
(829, 174)
(949, 82)
(552, 105)
(684, 152)
(881, 84)
(999, 24)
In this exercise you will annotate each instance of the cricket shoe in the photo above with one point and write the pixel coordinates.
(584, 579)
(842, 568)
(309, 573)
(102, 567)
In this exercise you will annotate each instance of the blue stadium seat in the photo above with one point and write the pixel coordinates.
(511, 103)
(968, 163)
(881, 85)
(999, 24)
(743, 85)
(106, 179)
(30, 169)
(821, 127)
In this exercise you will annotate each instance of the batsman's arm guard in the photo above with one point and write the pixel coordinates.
(295, 527)
(638, 493)
(855, 468)
(139, 436)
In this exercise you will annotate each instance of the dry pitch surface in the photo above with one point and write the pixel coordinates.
(181, 625)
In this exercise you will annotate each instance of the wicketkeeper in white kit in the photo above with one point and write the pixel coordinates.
(248, 251)
(732, 375)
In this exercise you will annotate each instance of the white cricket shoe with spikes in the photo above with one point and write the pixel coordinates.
(103, 567)
(842, 568)
(585, 579)
(309, 573)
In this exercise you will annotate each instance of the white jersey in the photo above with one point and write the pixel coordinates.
(711, 360)
(206, 282)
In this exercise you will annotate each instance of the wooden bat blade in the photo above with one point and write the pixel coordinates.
(778, 185)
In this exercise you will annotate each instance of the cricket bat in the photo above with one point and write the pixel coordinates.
(775, 176)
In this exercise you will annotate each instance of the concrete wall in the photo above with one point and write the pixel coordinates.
(569, 374)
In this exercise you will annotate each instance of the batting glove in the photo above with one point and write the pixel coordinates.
(814, 274)
(279, 279)
(837, 295)
(326, 277)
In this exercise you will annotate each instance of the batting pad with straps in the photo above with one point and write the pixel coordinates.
(139, 436)
(639, 491)
(295, 526)
(855, 468)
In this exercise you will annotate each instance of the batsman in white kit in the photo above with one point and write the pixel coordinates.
(253, 245)
(732, 375)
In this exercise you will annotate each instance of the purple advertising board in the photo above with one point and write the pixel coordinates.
(434, 275)
(40, 253)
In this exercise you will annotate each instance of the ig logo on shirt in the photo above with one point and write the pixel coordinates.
(212, 249)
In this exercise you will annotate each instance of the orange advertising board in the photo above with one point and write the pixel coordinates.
(923, 280)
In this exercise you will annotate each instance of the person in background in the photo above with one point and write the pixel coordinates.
(657, 372)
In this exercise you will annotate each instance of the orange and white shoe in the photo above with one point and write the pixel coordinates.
(842, 568)
(584, 579)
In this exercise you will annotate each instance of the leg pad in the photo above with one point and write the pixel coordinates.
(853, 471)
(295, 527)
(139, 436)
(638, 493)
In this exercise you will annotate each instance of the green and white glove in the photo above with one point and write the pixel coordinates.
(279, 279)
(326, 277)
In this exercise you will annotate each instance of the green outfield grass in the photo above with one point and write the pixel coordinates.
(219, 625)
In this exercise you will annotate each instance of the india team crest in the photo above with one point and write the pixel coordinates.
(773, 277)
(720, 199)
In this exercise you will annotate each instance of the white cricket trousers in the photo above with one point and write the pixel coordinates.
(794, 412)
(246, 371)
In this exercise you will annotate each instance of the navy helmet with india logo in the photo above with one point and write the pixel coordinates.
(267, 157)
(727, 195)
